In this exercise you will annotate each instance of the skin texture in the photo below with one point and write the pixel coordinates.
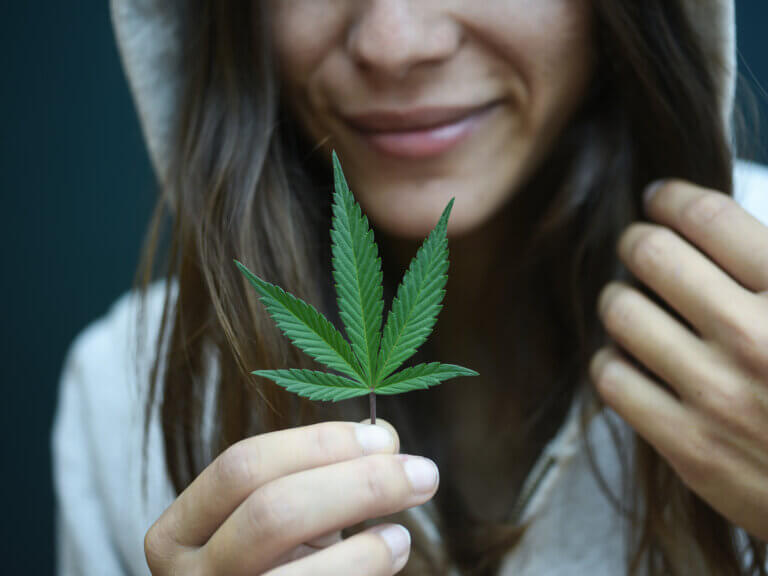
(348, 56)
(269, 502)
(704, 406)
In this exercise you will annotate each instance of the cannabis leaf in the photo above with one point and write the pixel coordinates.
(417, 302)
(306, 327)
(357, 271)
(367, 361)
(315, 384)
(421, 376)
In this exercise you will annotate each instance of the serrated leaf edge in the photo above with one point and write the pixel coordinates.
(353, 370)
(420, 380)
(383, 367)
(290, 379)
(366, 344)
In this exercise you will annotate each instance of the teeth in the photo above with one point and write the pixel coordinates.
(445, 131)
(447, 125)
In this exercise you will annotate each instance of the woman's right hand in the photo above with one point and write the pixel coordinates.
(261, 505)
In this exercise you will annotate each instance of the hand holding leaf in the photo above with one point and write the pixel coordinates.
(366, 363)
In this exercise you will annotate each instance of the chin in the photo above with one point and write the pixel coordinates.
(405, 199)
(411, 213)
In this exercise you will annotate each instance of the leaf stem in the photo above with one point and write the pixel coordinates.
(372, 398)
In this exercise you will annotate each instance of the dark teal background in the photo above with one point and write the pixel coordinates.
(76, 193)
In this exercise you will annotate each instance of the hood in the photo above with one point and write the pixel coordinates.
(148, 38)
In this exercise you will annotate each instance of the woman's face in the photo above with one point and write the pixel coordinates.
(426, 100)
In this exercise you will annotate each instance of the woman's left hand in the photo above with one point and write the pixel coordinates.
(708, 259)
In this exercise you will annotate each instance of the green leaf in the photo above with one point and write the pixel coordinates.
(367, 362)
(421, 376)
(358, 276)
(417, 302)
(306, 327)
(315, 385)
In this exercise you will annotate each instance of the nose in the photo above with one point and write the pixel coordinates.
(391, 37)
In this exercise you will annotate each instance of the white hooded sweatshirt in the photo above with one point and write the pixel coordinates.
(100, 517)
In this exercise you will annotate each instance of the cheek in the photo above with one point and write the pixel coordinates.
(303, 33)
(549, 44)
(536, 51)
(563, 70)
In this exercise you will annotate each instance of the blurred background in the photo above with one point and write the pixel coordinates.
(77, 191)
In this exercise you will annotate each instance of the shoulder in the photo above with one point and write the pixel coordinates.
(750, 188)
(115, 336)
(574, 503)
(97, 433)
(107, 364)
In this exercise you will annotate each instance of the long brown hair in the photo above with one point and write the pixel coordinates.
(244, 183)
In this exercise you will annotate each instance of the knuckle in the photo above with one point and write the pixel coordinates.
(272, 511)
(383, 482)
(704, 208)
(731, 405)
(156, 548)
(238, 465)
(749, 341)
(694, 459)
(650, 247)
(724, 401)
(326, 441)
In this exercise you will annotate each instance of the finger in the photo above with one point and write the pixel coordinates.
(649, 409)
(310, 547)
(299, 507)
(659, 341)
(325, 540)
(378, 551)
(691, 283)
(245, 466)
(716, 223)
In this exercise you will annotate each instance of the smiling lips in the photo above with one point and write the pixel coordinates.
(418, 132)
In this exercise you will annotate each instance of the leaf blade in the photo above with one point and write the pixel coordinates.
(313, 384)
(357, 274)
(421, 376)
(417, 303)
(305, 326)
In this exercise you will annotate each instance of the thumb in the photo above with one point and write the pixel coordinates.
(384, 424)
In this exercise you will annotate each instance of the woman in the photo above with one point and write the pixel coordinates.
(546, 120)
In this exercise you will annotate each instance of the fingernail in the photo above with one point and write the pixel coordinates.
(398, 540)
(422, 473)
(374, 438)
(599, 362)
(605, 297)
(651, 189)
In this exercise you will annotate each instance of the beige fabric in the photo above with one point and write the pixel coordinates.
(147, 34)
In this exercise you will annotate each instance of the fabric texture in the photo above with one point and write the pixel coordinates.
(101, 517)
